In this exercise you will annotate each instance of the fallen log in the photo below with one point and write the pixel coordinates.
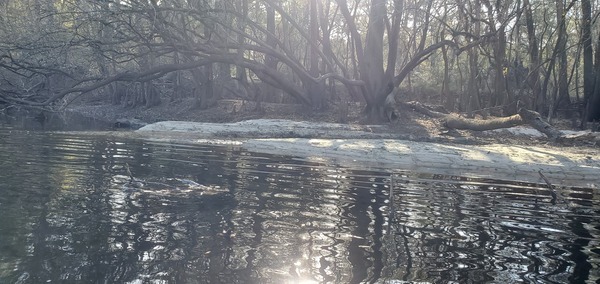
(457, 122)
(524, 116)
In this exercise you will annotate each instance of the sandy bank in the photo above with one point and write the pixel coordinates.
(365, 147)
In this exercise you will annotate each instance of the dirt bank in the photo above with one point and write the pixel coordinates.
(410, 126)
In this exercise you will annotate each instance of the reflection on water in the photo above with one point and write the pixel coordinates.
(70, 213)
(13, 118)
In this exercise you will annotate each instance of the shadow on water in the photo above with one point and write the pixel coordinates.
(49, 121)
(103, 210)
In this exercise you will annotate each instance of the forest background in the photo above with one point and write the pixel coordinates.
(476, 57)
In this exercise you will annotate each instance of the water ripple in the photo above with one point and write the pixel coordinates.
(114, 210)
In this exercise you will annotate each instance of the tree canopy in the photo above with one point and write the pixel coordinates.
(470, 56)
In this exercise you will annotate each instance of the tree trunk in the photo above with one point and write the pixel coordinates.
(534, 67)
(240, 71)
(500, 97)
(563, 99)
(223, 70)
(151, 94)
(593, 104)
(371, 68)
(473, 102)
(445, 98)
(588, 57)
(316, 90)
(203, 91)
(270, 61)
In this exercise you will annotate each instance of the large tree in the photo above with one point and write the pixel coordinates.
(312, 51)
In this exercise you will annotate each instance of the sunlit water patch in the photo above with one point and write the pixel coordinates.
(76, 209)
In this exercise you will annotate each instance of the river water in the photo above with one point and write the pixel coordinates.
(90, 209)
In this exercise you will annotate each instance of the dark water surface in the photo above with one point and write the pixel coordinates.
(69, 213)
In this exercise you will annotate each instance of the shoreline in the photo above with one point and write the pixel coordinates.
(357, 148)
(492, 155)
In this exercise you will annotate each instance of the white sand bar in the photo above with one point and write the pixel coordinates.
(358, 148)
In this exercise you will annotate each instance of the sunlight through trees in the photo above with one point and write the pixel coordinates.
(465, 55)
